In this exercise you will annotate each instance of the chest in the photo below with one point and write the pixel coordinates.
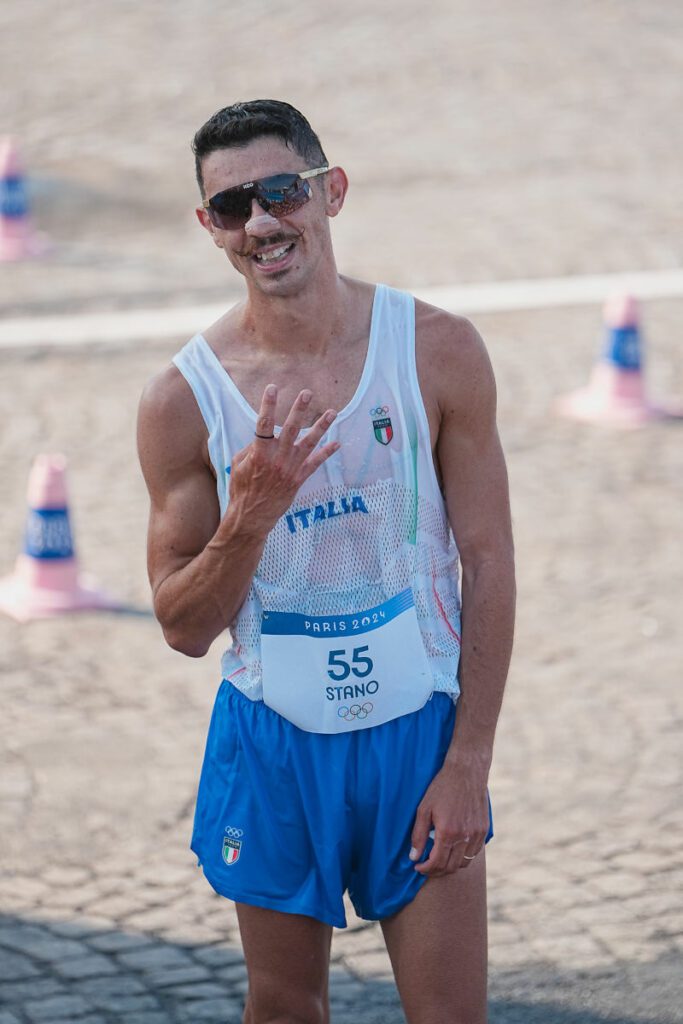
(333, 382)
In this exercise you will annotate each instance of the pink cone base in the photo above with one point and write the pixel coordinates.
(615, 398)
(41, 590)
(21, 242)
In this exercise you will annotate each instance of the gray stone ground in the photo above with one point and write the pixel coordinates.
(554, 137)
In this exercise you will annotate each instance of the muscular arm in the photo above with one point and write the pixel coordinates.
(462, 399)
(201, 566)
(476, 491)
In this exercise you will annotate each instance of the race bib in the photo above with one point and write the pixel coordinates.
(337, 673)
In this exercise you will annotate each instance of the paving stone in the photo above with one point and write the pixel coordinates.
(649, 905)
(86, 967)
(107, 993)
(570, 950)
(118, 942)
(503, 934)
(201, 990)
(369, 965)
(218, 1011)
(641, 862)
(7, 1017)
(16, 903)
(65, 1007)
(192, 934)
(35, 988)
(127, 1005)
(164, 875)
(147, 1017)
(345, 986)
(619, 883)
(155, 957)
(368, 940)
(77, 927)
(232, 973)
(39, 942)
(177, 976)
(31, 888)
(90, 894)
(69, 875)
(512, 955)
(14, 966)
(239, 987)
(118, 907)
(218, 956)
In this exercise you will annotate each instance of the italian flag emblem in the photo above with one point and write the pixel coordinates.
(383, 430)
(231, 850)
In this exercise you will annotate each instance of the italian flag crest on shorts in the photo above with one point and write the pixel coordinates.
(231, 850)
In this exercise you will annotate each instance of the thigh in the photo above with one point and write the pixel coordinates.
(287, 957)
(438, 949)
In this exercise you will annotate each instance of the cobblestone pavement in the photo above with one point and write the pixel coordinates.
(484, 141)
(105, 916)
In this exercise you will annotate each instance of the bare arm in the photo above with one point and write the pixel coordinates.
(476, 491)
(201, 566)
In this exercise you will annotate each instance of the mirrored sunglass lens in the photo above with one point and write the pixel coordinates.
(231, 209)
(283, 193)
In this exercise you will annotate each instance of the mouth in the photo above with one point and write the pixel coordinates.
(274, 257)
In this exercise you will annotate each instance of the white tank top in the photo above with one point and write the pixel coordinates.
(370, 522)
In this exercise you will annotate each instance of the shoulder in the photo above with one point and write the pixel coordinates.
(453, 364)
(167, 395)
(170, 425)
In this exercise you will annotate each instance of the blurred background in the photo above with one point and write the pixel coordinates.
(484, 142)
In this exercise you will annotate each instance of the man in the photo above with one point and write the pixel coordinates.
(312, 458)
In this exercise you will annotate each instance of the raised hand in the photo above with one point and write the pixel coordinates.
(266, 475)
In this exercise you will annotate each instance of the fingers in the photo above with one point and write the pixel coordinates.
(319, 456)
(469, 855)
(296, 420)
(265, 424)
(307, 446)
(449, 854)
(419, 835)
(442, 857)
(296, 417)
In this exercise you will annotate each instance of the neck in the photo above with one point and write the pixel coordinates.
(306, 322)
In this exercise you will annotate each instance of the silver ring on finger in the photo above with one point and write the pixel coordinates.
(465, 857)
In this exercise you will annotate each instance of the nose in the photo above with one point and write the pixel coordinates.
(260, 223)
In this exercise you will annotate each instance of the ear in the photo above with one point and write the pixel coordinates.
(336, 187)
(205, 221)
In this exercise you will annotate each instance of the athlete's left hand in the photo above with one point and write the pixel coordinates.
(456, 807)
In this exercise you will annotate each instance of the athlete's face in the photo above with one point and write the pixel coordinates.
(276, 255)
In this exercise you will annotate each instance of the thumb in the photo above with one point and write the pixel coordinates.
(420, 833)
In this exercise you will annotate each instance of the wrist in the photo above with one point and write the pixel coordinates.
(462, 757)
(238, 525)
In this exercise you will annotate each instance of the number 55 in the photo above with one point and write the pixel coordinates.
(337, 660)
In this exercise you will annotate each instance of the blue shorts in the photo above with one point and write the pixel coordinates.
(290, 820)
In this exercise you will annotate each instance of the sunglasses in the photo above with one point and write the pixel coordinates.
(278, 195)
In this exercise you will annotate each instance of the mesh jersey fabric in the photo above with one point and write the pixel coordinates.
(370, 522)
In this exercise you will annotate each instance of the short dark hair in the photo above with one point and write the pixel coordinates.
(241, 123)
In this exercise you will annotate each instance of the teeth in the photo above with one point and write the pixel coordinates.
(276, 254)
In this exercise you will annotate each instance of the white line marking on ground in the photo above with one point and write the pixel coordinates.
(164, 324)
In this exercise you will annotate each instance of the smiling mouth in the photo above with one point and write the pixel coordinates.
(274, 255)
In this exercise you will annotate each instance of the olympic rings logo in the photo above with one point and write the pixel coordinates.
(355, 711)
(381, 410)
(234, 833)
